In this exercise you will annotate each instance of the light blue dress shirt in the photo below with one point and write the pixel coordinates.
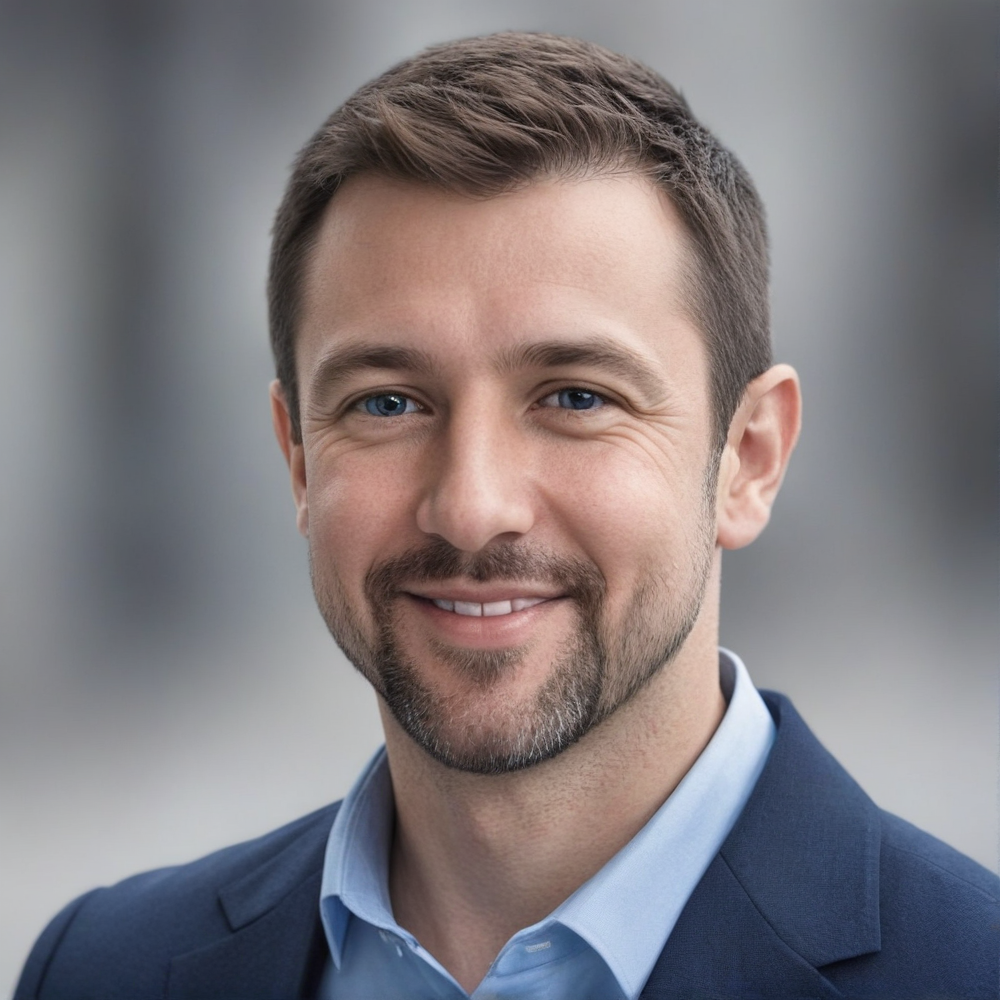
(602, 942)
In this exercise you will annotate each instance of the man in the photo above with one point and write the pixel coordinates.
(519, 313)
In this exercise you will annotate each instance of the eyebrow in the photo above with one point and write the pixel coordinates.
(597, 352)
(341, 363)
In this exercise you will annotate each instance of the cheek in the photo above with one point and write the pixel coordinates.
(632, 517)
(358, 514)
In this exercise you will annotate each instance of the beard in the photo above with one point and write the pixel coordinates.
(603, 665)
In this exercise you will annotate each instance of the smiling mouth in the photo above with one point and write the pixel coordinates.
(491, 609)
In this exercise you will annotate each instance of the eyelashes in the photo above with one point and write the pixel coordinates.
(573, 398)
(397, 404)
(389, 404)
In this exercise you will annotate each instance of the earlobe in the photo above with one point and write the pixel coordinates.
(761, 437)
(293, 452)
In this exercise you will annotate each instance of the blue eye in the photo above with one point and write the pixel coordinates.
(389, 404)
(574, 399)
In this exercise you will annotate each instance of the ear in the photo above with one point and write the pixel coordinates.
(761, 437)
(294, 454)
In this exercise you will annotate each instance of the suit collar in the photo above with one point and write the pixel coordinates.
(249, 897)
(277, 946)
(806, 848)
(794, 887)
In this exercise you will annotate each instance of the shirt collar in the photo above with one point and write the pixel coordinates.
(627, 910)
(356, 866)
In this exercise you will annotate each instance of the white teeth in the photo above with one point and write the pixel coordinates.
(520, 603)
(496, 608)
(492, 609)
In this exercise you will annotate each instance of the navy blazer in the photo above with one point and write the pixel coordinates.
(815, 893)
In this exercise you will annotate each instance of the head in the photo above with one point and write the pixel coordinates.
(518, 307)
(489, 115)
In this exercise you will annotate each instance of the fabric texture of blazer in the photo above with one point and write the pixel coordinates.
(815, 893)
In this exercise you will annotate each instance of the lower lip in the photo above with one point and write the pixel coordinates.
(485, 632)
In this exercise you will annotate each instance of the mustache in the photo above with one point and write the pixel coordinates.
(509, 562)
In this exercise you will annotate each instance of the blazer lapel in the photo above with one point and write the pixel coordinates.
(794, 887)
(277, 948)
(722, 947)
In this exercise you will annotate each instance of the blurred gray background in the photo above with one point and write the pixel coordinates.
(168, 687)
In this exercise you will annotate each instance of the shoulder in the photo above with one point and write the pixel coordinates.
(939, 921)
(908, 851)
(941, 897)
(119, 940)
(879, 906)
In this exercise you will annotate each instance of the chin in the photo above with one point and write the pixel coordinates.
(491, 724)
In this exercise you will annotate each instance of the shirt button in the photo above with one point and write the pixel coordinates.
(391, 939)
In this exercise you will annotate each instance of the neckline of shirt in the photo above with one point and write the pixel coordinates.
(627, 910)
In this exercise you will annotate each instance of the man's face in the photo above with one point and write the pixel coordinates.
(506, 474)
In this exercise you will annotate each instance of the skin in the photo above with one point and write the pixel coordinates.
(486, 454)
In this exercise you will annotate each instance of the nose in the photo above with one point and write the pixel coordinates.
(479, 484)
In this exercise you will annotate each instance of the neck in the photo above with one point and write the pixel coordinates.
(476, 858)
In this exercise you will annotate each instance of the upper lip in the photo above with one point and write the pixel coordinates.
(482, 594)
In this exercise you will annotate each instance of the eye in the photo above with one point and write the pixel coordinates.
(573, 399)
(389, 404)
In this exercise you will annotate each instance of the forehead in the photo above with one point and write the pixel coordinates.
(412, 264)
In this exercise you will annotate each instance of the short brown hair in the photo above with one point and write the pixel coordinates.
(487, 115)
